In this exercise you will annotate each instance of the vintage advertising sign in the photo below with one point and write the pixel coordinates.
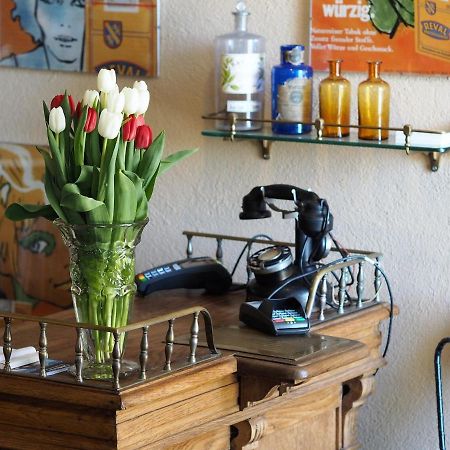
(33, 259)
(407, 35)
(123, 35)
(81, 35)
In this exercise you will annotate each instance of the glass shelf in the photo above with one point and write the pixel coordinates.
(265, 137)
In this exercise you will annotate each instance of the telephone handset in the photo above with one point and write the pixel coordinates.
(274, 266)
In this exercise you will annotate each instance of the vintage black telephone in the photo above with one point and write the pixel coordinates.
(274, 267)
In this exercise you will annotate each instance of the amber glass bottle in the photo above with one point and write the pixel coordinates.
(373, 104)
(334, 101)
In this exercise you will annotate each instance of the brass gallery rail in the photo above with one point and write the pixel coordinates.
(144, 326)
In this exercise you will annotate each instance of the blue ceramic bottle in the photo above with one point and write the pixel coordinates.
(292, 91)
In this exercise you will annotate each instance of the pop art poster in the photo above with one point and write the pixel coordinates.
(33, 258)
(406, 35)
(81, 35)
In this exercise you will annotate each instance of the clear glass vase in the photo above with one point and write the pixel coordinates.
(334, 101)
(373, 105)
(102, 270)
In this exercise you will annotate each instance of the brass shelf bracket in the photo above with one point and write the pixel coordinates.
(435, 160)
(266, 147)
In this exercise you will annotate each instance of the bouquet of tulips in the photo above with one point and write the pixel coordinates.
(103, 163)
(100, 171)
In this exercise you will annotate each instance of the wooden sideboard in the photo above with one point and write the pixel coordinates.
(305, 395)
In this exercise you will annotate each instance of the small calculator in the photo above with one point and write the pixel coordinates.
(275, 316)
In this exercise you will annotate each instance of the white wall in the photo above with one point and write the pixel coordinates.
(381, 199)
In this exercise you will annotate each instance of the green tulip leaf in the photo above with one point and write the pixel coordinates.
(65, 135)
(125, 198)
(175, 158)
(79, 142)
(22, 211)
(384, 16)
(98, 215)
(46, 113)
(150, 160)
(72, 198)
(60, 177)
(129, 155)
(137, 155)
(84, 181)
(151, 186)
(92, 149)
(107, 167)
(53, 196)
(95, 179)
(121, 154)
(142, 204)
(48, 161)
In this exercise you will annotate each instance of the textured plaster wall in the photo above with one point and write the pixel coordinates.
(381, 200)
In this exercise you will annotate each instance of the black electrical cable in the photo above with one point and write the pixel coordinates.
(347, 259)
(391, 309)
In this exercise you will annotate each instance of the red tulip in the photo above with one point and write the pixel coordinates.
(79, 110)
(140, 120)
(58, 99)
(143, 136)
(129, 128)
(91, 120)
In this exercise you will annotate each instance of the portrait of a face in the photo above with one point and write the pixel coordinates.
(57, 28)
(62, 27)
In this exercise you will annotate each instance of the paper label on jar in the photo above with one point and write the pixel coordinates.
(243, 106)
(294, 100)
(242, 73)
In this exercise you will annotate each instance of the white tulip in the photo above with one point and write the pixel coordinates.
(57, 120)
(104, 95)
(109, 124)
(90, 98)
(140, 85)
(106, 80)
(144, 101)
(131, 100)
(115, 102)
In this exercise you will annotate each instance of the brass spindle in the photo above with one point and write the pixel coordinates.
(79, 356)
(116, 360)
(43, 355)
(360, 284)
(189, 249)
(341, 292)
(377, 280)
(193, 342)
(143, 355)
(318, 125)
(170, 337)
(219, 250)
(7, 347)
(323, 296)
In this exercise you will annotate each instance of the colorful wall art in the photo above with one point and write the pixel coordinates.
(407, 35)
(81, 35)
(33, 258)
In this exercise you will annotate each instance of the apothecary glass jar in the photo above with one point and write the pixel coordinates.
(373, 105)
(334, 101)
